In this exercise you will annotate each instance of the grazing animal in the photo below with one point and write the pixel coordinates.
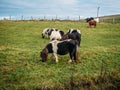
(45, 32)
(55, 34)
(73, 34)
(89, 19)
(52, 33)
(62, 48)
(91, 22)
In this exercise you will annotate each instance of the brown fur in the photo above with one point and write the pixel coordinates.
(44, 53)
(92, 23)
(77, 57)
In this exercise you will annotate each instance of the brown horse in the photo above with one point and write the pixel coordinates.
(92, 23)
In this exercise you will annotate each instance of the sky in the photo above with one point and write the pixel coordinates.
(70, 9)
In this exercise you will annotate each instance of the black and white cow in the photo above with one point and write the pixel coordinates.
(62, 48)
(74, 34)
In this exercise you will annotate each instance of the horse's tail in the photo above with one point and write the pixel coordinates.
(77, 56)
(79, 39)
(76, 52)
(76, 43)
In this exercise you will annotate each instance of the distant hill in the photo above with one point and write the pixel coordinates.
(110, 16)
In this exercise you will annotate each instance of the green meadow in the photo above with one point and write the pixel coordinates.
(21, 69)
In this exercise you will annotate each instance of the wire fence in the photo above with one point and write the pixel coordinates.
(54, 18)
(110, 20)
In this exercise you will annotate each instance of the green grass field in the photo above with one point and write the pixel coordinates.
(21, 68)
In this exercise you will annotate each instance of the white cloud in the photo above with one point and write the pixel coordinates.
(67, 2)
(58, 7)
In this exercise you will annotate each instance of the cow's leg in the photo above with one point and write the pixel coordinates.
(56, 57)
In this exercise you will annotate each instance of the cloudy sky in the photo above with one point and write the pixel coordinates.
(57, 8)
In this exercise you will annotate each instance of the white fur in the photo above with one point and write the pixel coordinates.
(45, 33)
(70, 61)
(56, 57)
(55, 35)
(45, 30)
(55, 48)
(54, 45)
(97, 20)
(78, 31)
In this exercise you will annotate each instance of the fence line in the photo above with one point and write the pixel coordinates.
(56, 17)
(110, 20)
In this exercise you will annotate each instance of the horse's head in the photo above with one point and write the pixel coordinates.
(44, 54)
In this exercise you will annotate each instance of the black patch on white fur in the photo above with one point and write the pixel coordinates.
(61, 32)
(49, 47)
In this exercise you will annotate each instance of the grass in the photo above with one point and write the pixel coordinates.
(21, 68)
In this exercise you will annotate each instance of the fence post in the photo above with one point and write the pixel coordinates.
(113, 20)
(22, 17)
(67, 17)
(56, 17)
(10, 17)
(44, 17)
(31, 18)
(79, 18)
